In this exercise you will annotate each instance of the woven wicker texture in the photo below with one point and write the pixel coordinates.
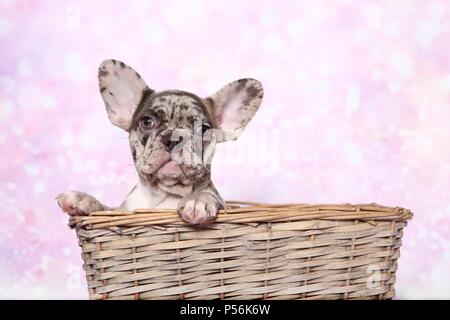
(252, 251)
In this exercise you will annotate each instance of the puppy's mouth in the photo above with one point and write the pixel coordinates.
(169, 174)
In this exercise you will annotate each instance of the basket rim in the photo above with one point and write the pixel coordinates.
(245, 212)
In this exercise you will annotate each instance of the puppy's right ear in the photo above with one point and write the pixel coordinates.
(122, 90)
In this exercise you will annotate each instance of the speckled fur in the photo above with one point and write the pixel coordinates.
(163, 182)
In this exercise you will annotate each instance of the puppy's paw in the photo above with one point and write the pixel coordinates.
(198, 208)
(76, 203)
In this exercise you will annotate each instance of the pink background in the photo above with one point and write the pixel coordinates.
(356, 110)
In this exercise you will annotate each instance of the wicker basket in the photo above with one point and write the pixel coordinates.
(252, 251)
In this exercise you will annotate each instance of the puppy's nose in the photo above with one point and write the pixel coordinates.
(168, 141)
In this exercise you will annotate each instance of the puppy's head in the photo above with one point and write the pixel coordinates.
(173, 133)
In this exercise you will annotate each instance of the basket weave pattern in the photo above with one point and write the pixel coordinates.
(252, 251)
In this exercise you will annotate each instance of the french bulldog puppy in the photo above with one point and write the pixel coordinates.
(172, 136)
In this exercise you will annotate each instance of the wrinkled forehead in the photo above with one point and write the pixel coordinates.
(172, 106)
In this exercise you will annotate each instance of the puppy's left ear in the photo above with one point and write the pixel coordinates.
(122, 90)
(233, 106)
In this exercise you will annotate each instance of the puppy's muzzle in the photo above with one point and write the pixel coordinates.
(170, 141)
(170, 170)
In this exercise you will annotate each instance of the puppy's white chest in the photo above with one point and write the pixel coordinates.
(143, 198)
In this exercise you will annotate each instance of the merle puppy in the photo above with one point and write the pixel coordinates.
(172, 137)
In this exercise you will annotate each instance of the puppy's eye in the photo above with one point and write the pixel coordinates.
(202, 129)
(147, 122)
